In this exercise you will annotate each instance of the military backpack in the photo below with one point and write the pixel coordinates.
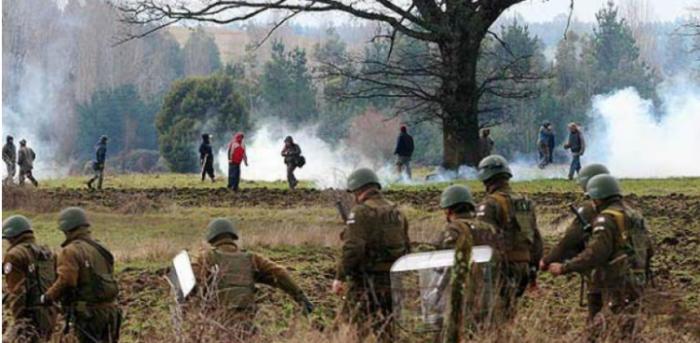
(387, 241)
(101, 287)
(634, 238)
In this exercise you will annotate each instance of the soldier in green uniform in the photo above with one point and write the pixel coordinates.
(228, 276)
(85, 286)
(514, 216)
(376, 235)
(28, 269)
(574, 240)
(462, 233)
(617, 254)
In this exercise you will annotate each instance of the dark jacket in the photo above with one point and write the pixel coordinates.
(291, 153)
(100, 154)
(206, 153)
(404, 145)
(576, 142)
(9, 153)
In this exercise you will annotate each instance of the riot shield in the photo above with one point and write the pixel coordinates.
(420, 285)
(181, 276)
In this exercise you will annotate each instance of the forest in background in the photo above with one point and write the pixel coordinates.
(70, 83)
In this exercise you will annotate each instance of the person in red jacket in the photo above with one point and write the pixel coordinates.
(236, 156)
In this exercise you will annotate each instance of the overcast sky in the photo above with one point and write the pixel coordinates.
(584, 10)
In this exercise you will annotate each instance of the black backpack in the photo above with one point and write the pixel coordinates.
(300, 161)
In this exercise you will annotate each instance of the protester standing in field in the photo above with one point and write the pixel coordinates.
(236, 156)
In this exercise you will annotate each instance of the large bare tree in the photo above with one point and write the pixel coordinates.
(455, 28)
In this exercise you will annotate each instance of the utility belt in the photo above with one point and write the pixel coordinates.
(518, 256)
(80, 306)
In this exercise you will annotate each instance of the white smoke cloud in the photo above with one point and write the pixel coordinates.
(634, 140)
(326, 166)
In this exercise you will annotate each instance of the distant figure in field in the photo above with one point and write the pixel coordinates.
(98, 165)
(577, 144)
(206, 158)
(485, 143)
(293, 159)
(236, 156)
(25, 160)
(404, 151)
(9, 156)
(545, 144)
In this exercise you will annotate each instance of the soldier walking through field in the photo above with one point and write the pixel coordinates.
(575, 239)
(404, 152)
(228, 275)
(98, 164)
(577, 144)
(85, 286)
(9, 156)
(236, 156)
(375, 236)
(25, 160)
(28, 269)
(292, 158)
(513, 215)
(462, 232)
(206, 158)
(617, 255)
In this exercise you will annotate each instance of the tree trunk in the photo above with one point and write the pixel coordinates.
(460, 106)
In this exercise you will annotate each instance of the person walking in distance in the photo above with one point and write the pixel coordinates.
(9, 156)
(236, 156)
(206, 158)
(404, 151)
(25, 160)
(577, 144)
(98, 165)
(292, 157)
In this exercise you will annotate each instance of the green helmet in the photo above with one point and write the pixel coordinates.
(15, 226)
(362, 177)
(589, 172)
(220, 226)
(456, 194)
(491, 166)
(603, 186)
(72, 218)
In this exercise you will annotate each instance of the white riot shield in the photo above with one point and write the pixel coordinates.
(420, 285)
(181, 276)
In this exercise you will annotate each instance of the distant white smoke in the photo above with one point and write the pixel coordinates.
(326, 166)
(635, 141)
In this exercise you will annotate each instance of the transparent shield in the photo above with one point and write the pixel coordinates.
(421, 284)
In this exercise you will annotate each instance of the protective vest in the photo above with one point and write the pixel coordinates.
(483, 235)
(519, 230)
(233, 277)
(39, 276)
(634, 239)
(387, 240)
(96, 282)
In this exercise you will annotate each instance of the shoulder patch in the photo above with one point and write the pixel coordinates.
(482, 207)
(598, 228)
(351, 218)
(7, 268)
(581, 210)
(601, 219)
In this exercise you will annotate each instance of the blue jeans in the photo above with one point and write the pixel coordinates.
(575, 166)
(234, 176)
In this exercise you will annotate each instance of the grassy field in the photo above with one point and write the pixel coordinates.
(304, 237)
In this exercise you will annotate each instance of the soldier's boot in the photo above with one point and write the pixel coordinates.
(89, 185)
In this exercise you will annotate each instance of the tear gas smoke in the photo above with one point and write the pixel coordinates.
(635, 141)
(326, 166)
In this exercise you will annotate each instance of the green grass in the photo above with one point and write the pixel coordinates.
(687, 186)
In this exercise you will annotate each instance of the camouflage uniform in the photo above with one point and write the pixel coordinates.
(25, 160)
(464, 312)
(572, 244)
(375, 237)
(86, 287)
(606, 259)
(33, 322)
(521, 252)
(9, 156)
(247, 269)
